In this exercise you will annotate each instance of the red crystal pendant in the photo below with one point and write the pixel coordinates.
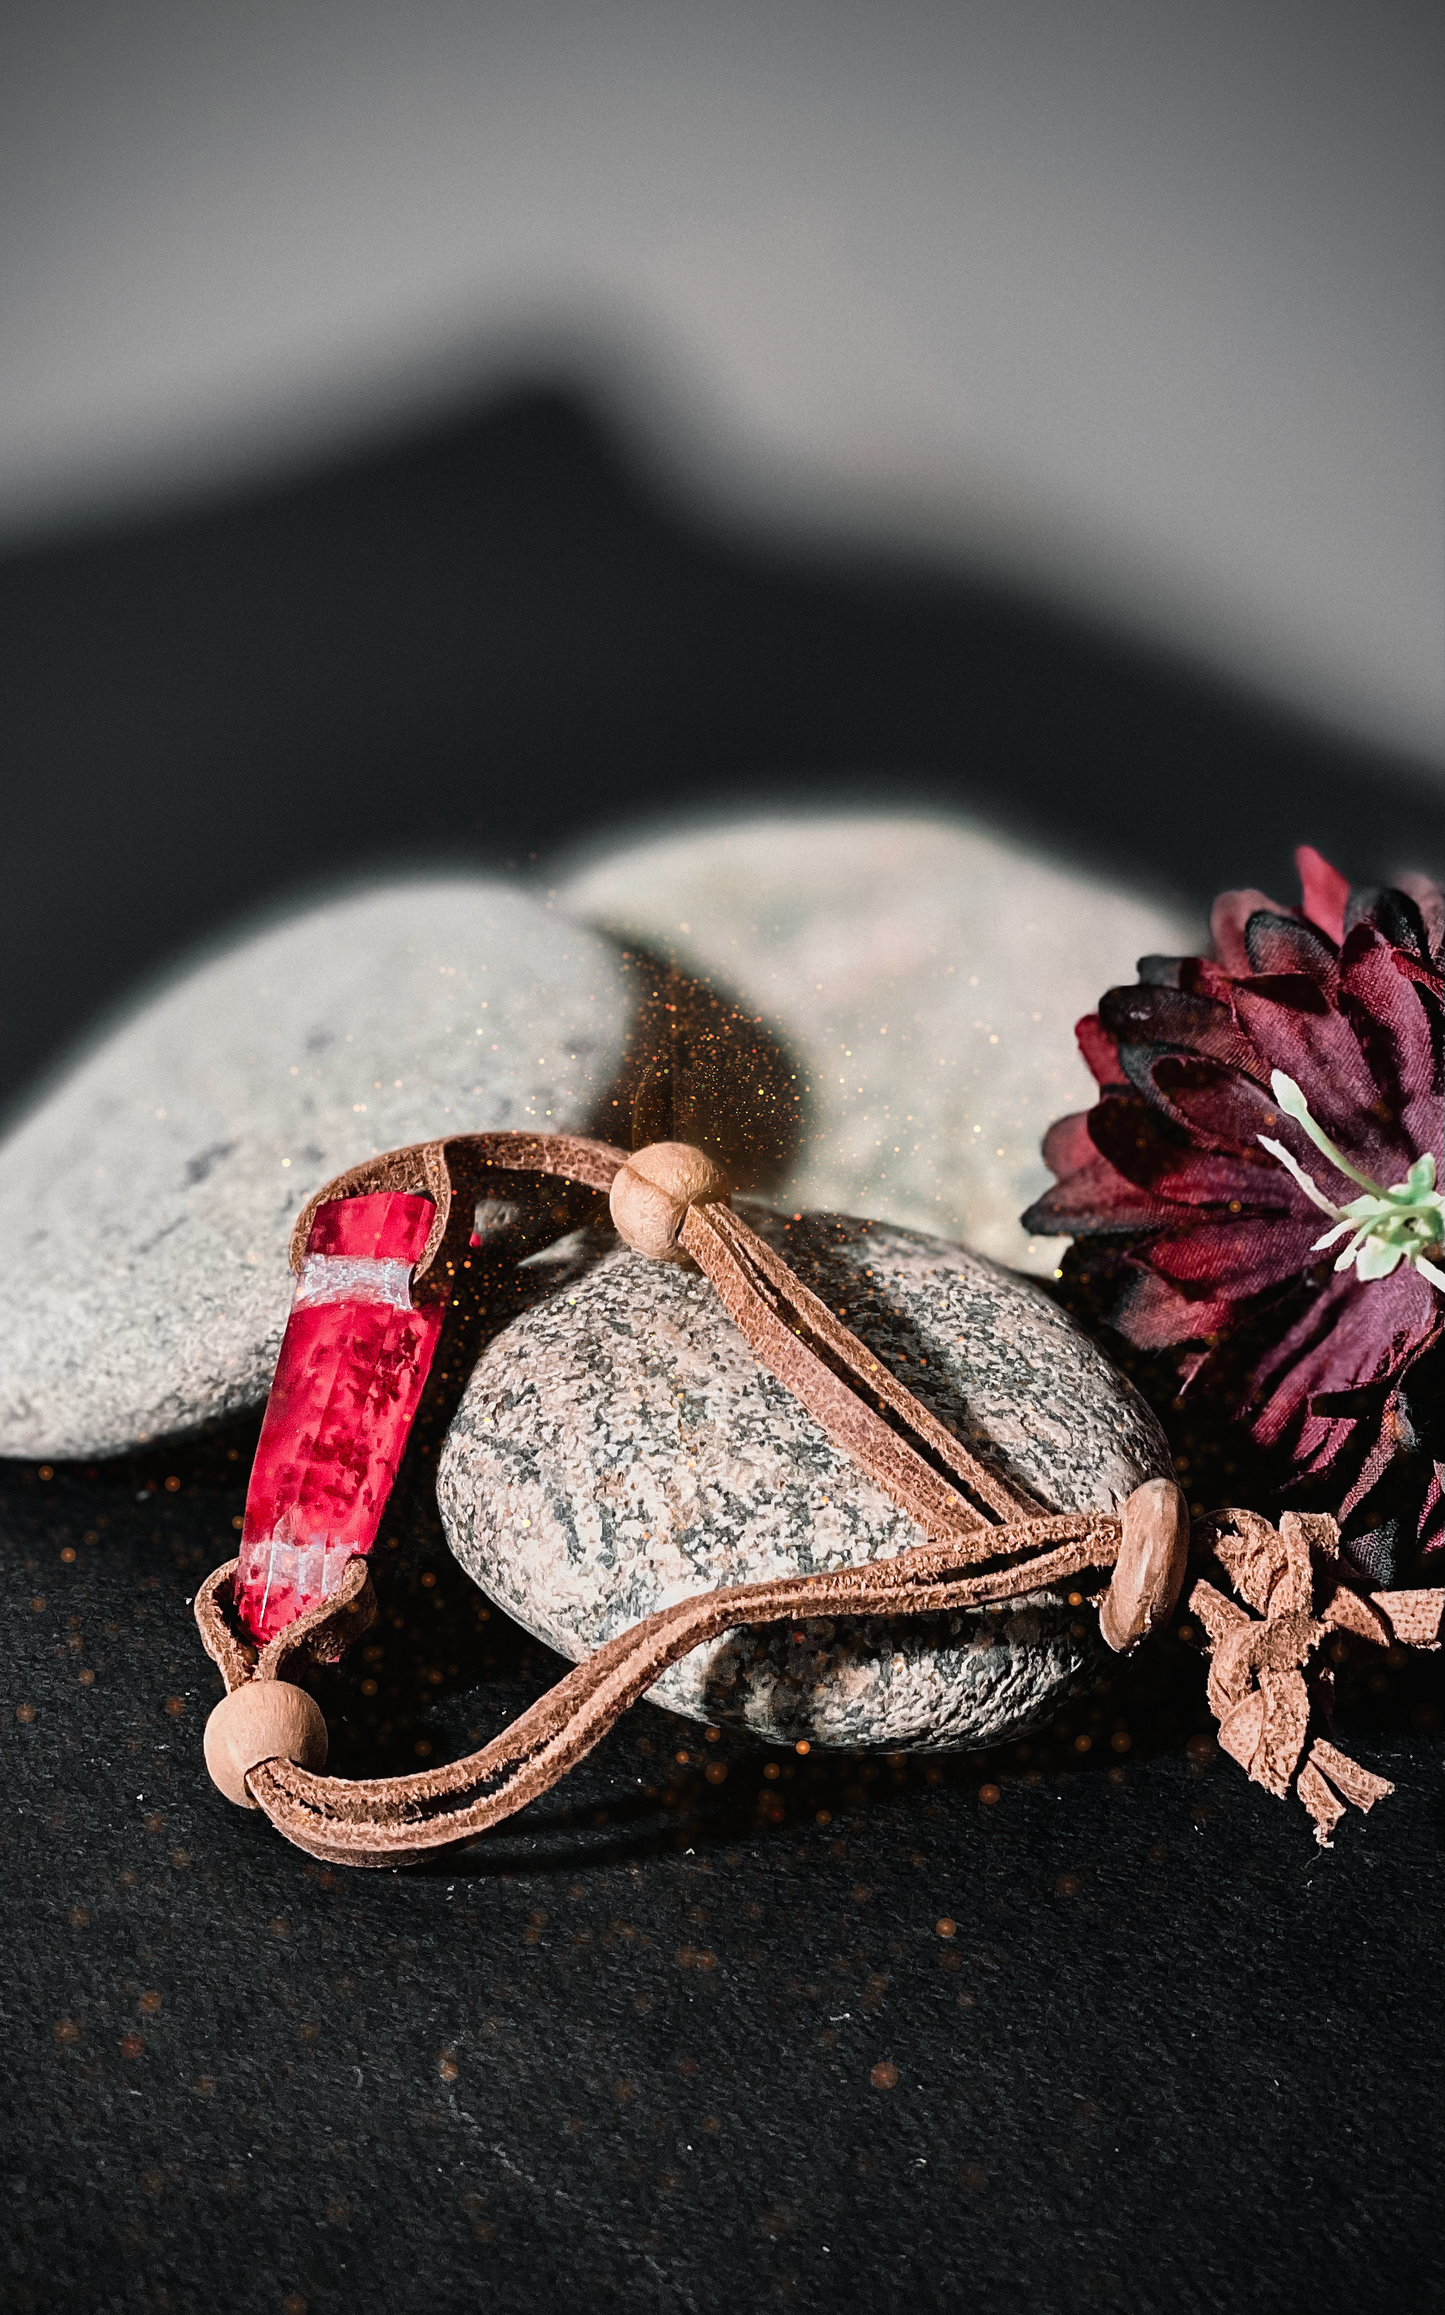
(353, 1363)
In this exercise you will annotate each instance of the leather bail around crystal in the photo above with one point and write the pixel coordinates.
(652, 1192)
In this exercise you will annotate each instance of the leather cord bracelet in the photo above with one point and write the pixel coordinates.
(343, 1403)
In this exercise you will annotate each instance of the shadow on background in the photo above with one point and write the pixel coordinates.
(501, 638)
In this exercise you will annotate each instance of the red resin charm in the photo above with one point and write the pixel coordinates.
(353, 1364)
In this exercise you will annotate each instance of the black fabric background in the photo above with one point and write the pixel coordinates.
(1172, 2056)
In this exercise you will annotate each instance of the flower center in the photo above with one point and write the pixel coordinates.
(1385, 1227)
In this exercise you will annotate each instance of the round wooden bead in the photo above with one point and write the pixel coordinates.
(1149, 1571)
(652, 1192)
(264, 1720)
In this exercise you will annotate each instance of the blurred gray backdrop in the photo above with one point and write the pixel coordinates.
(1136, 302)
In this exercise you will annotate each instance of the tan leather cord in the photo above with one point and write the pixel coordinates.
(1268, 1685)
(790, 1331)
(920, 1464)
(671, 1201)
(432, 1167)
(829, 1370)
(392, 1820)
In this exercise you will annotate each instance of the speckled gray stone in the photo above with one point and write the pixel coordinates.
(620, 1448)
(146, 1203)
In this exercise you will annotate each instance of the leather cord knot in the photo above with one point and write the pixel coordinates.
(651, 1194)
(1267, 1684)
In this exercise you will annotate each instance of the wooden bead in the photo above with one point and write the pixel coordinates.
(1149, 1571)
(264, 1720)
(652, 1192)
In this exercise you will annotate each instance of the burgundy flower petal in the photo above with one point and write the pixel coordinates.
(1141, 1148)
(1156, 1316)
(1202, 977)
(1430, 901)
(1175, 1017)
(1191, 1177)
(1392, 1022)
(1239, 1257)
(1299, 992)
(1321, 1052)
(1324, 892)
(1136, 1139)
(1091, 1200)
(1100, 1050)
(1068, 1145)
(1398, 919)
(1216, 1108)
(1160, 972)
(1281, 945)
(1379, 1455)
(1431, 1530)
(1355, 1332)
(1228, 918)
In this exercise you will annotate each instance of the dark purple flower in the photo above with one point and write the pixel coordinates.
(1300, 1068)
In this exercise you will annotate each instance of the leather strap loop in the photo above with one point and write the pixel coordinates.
(393, 1820)
(433, 1168)
(987, 1541)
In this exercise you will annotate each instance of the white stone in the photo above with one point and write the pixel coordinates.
(928, 976)
(147, 1202)
(619, 1448)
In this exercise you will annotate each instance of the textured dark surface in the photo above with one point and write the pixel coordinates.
(1184, 2060)
(626, 2053)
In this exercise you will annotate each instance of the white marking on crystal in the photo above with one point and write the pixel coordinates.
(270, 1571)
(354, 1278)
(311, 1565)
